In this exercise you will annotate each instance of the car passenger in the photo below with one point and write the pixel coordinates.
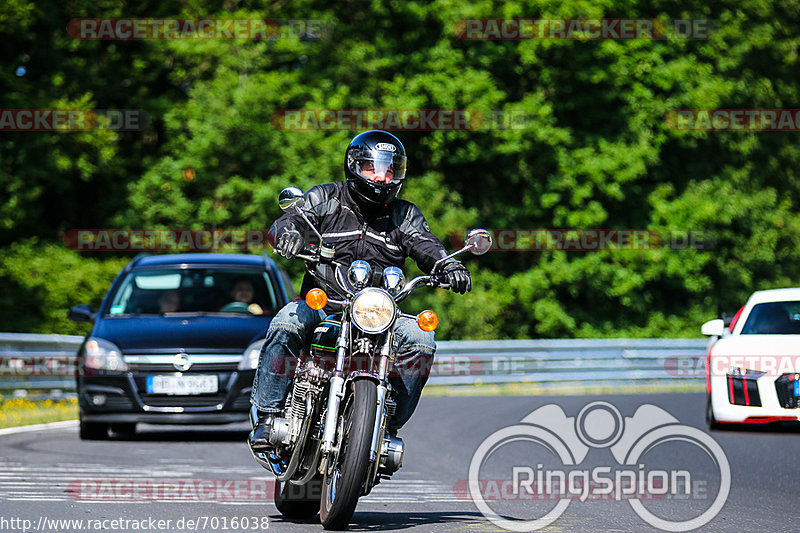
(169, 302)
(242, 294)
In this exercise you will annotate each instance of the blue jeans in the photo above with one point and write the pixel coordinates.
(291, 331)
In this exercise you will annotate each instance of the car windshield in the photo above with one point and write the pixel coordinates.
(774, 318)
(195, 290)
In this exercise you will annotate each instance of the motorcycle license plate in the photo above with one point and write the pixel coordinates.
(797, 388)
(182, 385)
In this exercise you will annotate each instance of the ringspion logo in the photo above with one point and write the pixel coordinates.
(557, 447)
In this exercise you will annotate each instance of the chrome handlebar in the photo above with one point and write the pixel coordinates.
(433, 280)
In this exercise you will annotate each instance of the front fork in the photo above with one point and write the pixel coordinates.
(383, 370)
(336, 393)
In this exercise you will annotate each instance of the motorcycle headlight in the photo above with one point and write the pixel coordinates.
(373, 310)
(359, 274)
(393, 280)
(251, 355)
(100, 354)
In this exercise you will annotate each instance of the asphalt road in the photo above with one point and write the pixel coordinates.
(206, 475)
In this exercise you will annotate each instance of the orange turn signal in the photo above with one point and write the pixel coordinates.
(427, 320)
(316, 299)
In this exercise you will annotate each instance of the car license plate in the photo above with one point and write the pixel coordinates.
(182, 385)
(797, 388)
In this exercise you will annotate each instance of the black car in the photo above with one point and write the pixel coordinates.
(176, 341)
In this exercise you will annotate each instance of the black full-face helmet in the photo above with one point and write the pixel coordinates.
(375, 167)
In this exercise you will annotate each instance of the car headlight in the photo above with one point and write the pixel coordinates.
(373, 310)
(100, 354)
(251, 355)
(745, 373)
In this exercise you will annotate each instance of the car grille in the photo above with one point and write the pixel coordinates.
(157, 400)
(118, 403)
(784, 386)
(199, 367)
(743, 390)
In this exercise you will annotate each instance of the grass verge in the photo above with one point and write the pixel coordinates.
(565, 389)
(24, 412)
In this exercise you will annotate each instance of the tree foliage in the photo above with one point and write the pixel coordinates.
(596, 151)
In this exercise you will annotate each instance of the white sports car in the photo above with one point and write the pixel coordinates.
(753, 366)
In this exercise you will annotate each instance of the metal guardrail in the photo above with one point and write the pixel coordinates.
(548, 362)
(35, 351)
(555, 361)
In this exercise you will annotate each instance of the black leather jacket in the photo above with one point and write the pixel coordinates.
(383, 237)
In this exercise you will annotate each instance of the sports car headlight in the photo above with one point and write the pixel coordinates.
(100, 354)
(373, 310)
(739, 372)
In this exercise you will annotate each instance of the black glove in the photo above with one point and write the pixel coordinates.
(289, 243)
(458, 277)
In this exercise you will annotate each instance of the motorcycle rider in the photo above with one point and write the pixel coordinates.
(364, 220)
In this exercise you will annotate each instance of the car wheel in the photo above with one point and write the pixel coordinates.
(124, 429)
(710, 420)
(93, 430)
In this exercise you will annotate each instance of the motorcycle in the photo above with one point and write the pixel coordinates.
(331, 445)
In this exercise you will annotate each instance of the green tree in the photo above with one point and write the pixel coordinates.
(594, 152)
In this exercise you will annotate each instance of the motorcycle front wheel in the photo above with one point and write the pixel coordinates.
(347, 470)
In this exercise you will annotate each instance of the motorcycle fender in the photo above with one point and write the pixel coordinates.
(357, 375)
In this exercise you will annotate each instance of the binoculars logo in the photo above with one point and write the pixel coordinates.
(600, 425)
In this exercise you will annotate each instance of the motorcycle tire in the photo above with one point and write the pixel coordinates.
(297, 501)
(344, 480)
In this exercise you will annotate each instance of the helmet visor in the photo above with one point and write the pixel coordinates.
(378, 166)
